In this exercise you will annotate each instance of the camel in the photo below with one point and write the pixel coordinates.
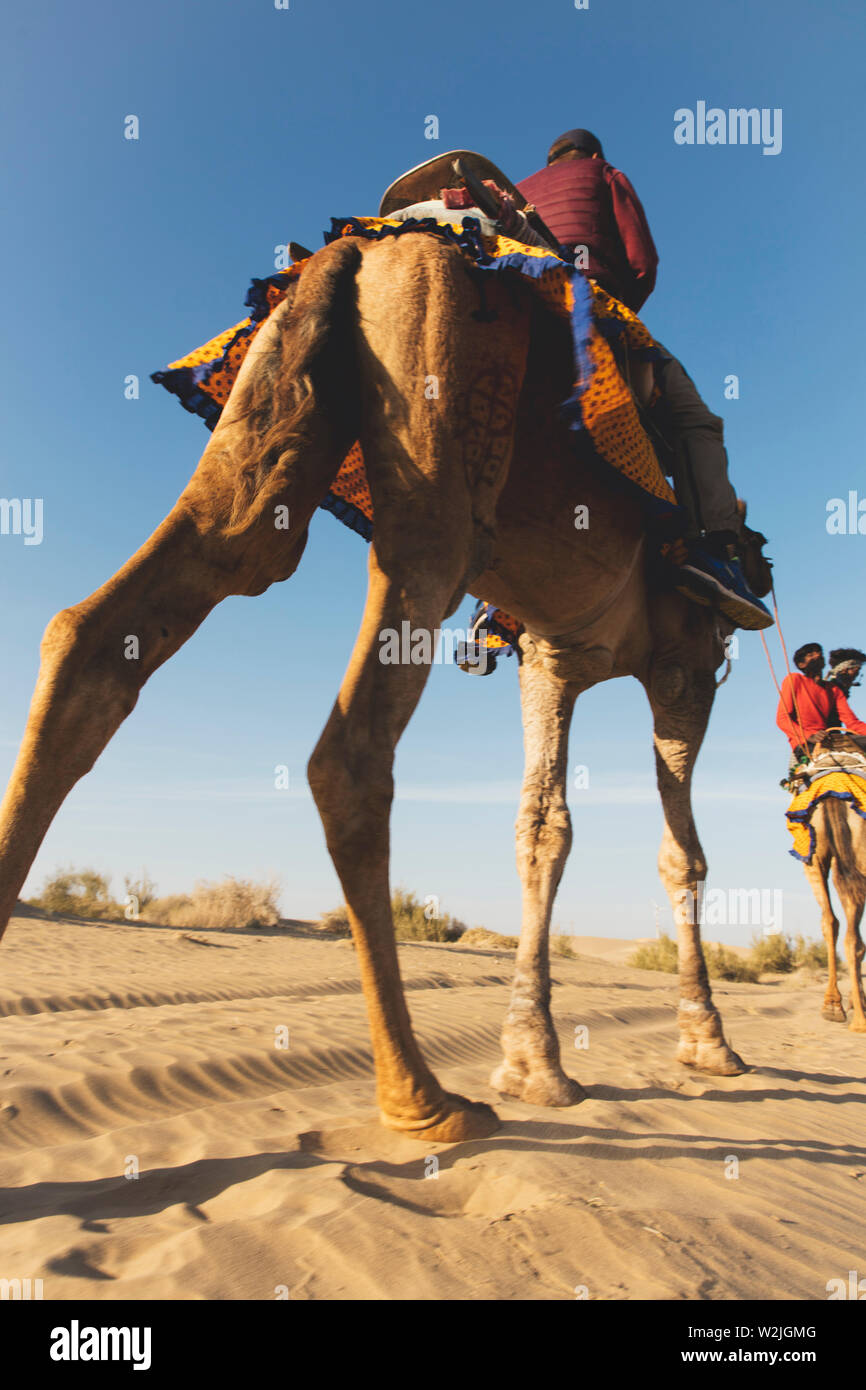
(840, 846)
(473, 491)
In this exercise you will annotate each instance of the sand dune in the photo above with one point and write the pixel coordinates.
(262, 1169)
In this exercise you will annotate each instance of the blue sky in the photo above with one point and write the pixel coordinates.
(258, 125)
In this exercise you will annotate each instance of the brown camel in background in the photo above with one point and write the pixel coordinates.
(840, 846)
(473, 490)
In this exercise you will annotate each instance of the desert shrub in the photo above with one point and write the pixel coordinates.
(142, 889)
(411, 922)
(234, 902)
(783, 954)
(725, 964)
(722, 963)
(491, 940)
(656, 955)
(810, 953)
(773, 953)
(336, 922)
(77, 893)
(561, 944)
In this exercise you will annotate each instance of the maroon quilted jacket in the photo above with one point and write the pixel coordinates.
(586, 202)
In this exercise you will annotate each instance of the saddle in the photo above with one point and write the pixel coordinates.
(833, 751)
(836, 751)
(418, 193)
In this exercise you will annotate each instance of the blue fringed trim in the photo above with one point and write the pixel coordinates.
(467, 240)
(257, 294)
(350, 515)
(183, 383)
(805, 818)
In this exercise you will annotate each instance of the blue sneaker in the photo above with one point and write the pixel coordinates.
(721, 583)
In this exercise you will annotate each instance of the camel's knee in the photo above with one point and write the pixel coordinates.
(855, 943)
(829, 927)
(544, 836)
(353, 794)
(78, 660)
(681, 863)
(64, 634)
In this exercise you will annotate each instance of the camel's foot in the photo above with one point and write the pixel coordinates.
(541, 1084)
(454, 1120)
(833, 1011)
(711, 1056)
(531, 1069)
(857, 1025)
(702, 1041)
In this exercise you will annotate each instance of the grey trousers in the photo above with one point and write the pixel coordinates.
(700, 473)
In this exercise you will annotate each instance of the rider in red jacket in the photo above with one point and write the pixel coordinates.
(808, 705)
(593, 211)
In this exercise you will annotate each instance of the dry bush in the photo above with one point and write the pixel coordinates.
(336, 922)
(142, 889)
(411, 922)
(491, 940)
(725, 964)
(782, 954)
(234, 902)
(77, 893)
(813, 954)
(561, 944)
(656, 955)
(773, 953)
(722, 963)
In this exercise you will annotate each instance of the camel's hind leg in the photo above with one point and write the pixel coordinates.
(681, 695)
(851, 888)
(352, 781)
(269, 462)
(440, 383)
(818, 874)
(531, 1068)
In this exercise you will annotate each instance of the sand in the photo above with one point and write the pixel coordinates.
(262, 1171)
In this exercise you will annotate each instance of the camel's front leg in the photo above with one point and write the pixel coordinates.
(352, 781)
(818, 874)
(531, 1069)
(681, 695)
(851, 888)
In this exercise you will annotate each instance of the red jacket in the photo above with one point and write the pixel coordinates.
(819, 706)
(586, 202)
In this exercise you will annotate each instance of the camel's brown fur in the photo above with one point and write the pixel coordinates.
(473, 488)
(840, 847)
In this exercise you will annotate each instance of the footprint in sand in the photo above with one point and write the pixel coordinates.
(454, 1192)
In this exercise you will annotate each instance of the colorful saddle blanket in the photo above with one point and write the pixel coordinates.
(846, 786)
(600, 407)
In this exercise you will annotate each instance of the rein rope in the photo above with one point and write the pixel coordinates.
(799, 721)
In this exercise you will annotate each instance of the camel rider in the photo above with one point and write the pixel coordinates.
(845, 663)
(593, 210)
(808, 705)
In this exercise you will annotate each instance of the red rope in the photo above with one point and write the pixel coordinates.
(787, 664)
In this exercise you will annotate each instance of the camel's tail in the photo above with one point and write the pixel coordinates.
(303, 376)
(845, 835)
